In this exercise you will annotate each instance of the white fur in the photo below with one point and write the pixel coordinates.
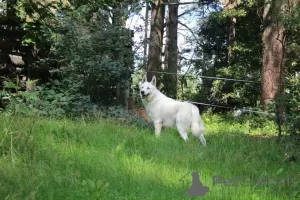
(167, 112)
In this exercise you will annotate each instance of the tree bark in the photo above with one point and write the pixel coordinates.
(146, 37)
(231, 38)
(171, 52)
(274, 46)
(229, 5)
(155, 44)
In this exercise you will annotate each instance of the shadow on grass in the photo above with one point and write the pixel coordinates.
(83, 175)
(109, 161)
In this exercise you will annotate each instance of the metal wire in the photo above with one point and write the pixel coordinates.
(207, 77)
(214, 105)
(235, 109)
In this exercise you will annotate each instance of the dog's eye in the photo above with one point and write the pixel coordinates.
(148, 88)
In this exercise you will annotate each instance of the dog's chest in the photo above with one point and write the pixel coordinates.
(157, 112)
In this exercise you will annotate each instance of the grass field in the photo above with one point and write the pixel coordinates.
(100, 159)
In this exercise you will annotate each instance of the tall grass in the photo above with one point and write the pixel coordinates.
(99, 159)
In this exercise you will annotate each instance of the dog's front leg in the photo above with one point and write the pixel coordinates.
(158, 126)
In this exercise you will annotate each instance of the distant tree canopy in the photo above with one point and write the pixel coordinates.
(85, 45)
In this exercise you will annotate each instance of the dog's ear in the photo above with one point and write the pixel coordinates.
(144, 79)
(153, 81)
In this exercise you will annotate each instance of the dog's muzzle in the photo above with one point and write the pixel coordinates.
(144, 95)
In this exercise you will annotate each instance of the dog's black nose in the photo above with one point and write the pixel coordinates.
(142, 92)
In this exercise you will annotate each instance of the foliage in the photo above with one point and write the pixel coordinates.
(291, 101)
(245, 64)
(251, 122)
(187, 87)
(97, 55)
(62, 97)
(290, 20)
(40, 19)
(79, 53)
(57, 99)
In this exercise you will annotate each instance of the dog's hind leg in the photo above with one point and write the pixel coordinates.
(198, 131)
(197, 126)
(183, 128)
(183, 123)
(183, 134)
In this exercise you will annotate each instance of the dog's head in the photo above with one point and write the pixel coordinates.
(147, 88)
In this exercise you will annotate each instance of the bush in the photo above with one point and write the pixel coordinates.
(56, 98)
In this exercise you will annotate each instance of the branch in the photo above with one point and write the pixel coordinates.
(189, 30)
(178, 3)
(191, 2)
(188, 11)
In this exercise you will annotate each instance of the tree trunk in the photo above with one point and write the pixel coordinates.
(146, 36)
(155, 44)
(231, 38)
(171, 52)
(273, 70)
(229, 5)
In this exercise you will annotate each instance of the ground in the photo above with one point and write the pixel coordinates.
(101, 159)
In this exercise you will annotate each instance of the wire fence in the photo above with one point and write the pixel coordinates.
(241, 110)
(206, 77)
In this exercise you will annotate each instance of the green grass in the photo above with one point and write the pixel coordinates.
(100, 159)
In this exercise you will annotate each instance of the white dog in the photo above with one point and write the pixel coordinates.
(167, 112)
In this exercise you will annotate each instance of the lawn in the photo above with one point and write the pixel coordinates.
(43, 158)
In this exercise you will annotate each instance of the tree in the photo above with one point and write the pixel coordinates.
(274, 48)
(229, 5)
(156, 38)
(171, 51)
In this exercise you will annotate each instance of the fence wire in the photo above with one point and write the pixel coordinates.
(241, 110)
(206, 77)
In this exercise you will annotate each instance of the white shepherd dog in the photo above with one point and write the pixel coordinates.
(167, 112)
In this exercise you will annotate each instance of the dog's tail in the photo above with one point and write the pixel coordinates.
(197, 126)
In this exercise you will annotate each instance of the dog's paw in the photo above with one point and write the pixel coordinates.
(186, 139)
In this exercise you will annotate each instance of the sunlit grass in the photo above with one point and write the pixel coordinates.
(99, 159)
